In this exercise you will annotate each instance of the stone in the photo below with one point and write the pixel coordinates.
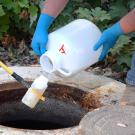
(109, 120)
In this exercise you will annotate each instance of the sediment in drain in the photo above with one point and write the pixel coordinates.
(91, 101)
(87, 100)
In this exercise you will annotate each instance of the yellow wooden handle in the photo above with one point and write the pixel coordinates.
(7, 69)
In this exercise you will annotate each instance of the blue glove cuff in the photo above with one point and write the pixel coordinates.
(117, 29)
(45, 21)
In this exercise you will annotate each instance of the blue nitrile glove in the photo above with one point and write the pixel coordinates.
(40, 37)
(130, 79)
(108, 39)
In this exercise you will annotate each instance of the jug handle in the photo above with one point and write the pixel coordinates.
(64, 73)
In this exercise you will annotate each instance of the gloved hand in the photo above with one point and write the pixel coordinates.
(40, 37)
(108, 39)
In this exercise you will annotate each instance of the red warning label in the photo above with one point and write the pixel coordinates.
(62, 50)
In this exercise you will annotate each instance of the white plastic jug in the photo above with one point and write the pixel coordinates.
(70, 48)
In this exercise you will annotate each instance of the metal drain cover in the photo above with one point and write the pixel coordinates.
(109, 120)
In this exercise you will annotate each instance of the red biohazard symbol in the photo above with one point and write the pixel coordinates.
(62, 50)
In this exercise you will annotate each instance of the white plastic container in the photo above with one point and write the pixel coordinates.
(34, 94)
(70, 48)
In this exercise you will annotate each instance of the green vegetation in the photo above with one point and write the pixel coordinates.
(18, 20)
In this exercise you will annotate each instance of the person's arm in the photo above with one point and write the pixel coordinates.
(109, 36)
(51, 10)
(128, 22)
(54, 7)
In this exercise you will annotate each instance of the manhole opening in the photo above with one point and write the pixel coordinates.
(64, 107)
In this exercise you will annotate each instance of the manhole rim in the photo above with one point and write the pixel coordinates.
(22, 131)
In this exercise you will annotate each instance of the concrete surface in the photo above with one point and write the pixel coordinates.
(110, 92)
(129, 96)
